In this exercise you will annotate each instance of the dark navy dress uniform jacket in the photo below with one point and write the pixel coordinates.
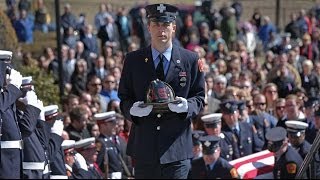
(162, 137)
(13, 129)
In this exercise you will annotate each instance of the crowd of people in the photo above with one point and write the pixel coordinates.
(261, 91)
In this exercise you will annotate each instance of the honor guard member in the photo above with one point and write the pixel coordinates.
(287, 159)
(197, 147)
(108, 155)
(75, 164)
(87, 148)
(35, 157)
(244, 133)
(56, 155)
(296, 134)
(121, 145)
(11, 131)
(211, 165)
(161, 143)
(228, 144)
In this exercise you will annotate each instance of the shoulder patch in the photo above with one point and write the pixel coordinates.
(291, 168)
(234, 173)
(200, 65)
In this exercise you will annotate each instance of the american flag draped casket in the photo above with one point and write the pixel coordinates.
(255, 166)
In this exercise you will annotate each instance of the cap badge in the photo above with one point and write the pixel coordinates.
(146, 60)
(228, 105)
(196, 135)
(207, 143)
(299, 134)
(161, 8)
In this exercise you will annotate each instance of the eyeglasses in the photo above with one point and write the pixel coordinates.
(260, 104)
(96, 84)
(279, 107)
(249, 106)
(272, 91)
(112, 82)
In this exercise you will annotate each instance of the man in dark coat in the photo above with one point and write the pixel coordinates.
(211, 165)
(296, 135)
(12, 128)
(246, 135)
(228, 142)
(87, 148)
(56, 156)
(108, 159)
(161, 142)
(287, 159)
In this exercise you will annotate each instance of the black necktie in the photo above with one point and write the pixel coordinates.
(159, 70)
(236, 132)
(208, 167)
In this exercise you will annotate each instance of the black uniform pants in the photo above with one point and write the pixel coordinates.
(174, 170)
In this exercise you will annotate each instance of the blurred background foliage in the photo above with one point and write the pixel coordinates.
(44, 85)
(8, 37)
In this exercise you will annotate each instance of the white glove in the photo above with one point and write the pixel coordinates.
(179, 108)
(80, 162)
(30, 99)
(15, 78)
(57, 127)
(40, 106)
(135, 110)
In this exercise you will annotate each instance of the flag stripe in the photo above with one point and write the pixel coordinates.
(258, 165)
(258, 172)
(258, 154)
(252, 159)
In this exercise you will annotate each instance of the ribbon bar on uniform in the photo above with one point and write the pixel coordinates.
(12, 144)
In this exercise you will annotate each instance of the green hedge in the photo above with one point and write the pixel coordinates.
(45, 88)
(44, 85)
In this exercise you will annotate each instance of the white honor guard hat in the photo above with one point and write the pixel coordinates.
(296, 127)
(84, 144)
(68, 145)
(26, 81)
(105, 117)
(5, 55)
(212, 118)
(51, 111)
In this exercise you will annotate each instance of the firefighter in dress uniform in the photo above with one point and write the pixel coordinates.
(211, 165)
(229, 143)
(287, 159)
